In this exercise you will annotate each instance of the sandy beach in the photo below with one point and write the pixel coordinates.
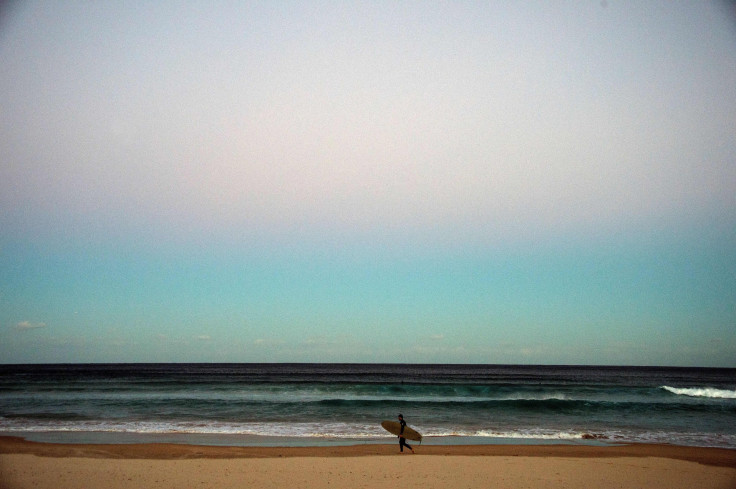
(25, 464)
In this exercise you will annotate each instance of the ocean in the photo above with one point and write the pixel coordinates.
(317, 404)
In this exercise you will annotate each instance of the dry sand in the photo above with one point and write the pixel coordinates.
(40, 465)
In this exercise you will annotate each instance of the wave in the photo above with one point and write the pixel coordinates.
(273, 397)
(526, 406)
(217, 410)
(531, 434)
(277, 429)
(281, 429)
(260, 433)
(701, 392)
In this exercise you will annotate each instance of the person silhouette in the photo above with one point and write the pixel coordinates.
(402, 440)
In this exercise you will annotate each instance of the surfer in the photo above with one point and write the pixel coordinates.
(402, 440)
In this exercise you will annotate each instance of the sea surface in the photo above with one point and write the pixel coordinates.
(314, 404)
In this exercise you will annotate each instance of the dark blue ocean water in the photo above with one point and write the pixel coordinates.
(313, 402)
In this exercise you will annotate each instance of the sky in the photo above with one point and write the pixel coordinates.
(411, 182)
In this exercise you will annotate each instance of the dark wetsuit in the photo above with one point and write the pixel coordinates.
(402, 440)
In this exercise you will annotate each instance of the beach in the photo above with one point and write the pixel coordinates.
(25, 464)
(319, 426)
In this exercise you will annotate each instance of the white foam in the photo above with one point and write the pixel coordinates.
(308, 430)
(701, 392)
(516, 434)
(317, 431)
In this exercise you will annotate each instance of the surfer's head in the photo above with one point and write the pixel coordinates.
(401, 416)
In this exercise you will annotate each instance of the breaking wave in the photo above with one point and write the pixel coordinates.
(701, 392)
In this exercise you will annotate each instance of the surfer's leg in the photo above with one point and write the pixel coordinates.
(402, 444)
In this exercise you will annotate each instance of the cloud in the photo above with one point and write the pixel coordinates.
(204, 337)
(317, 341)
(437, 337)
(29, 325)
(269, 342)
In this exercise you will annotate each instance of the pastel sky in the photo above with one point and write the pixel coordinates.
(435, 182)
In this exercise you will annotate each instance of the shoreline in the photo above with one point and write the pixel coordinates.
(712, 456)
(250, 440)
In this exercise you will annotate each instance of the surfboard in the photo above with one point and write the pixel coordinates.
(395, 428)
